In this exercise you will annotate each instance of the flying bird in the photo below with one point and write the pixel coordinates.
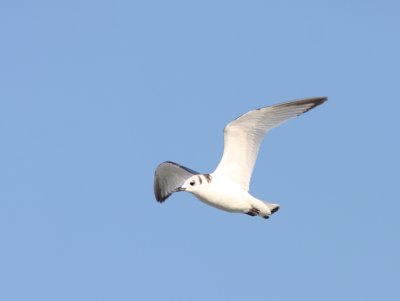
(227, 188)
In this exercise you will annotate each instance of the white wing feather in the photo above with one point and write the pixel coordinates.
(243, 136)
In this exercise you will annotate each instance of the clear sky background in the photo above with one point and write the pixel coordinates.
(95, 94)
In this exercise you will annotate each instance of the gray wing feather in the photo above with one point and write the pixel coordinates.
(169, 176)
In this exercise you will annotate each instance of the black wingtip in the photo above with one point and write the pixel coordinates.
(319, 100)
(314, 101)
(157, 192)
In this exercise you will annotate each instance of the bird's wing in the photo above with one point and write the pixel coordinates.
(243, 136)
(169, 176)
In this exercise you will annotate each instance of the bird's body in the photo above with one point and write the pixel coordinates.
(219, 193)
(227, 188)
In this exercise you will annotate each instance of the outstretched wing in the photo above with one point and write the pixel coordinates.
(169, 176)
(243, 136)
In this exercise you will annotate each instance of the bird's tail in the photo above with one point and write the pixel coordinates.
(273, 207)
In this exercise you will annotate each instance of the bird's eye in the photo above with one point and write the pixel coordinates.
(191, 183)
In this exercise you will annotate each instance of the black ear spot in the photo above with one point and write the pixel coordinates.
(192, 183)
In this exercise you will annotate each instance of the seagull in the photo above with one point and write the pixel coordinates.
(227, 188)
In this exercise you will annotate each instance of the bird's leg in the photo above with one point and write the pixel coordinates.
(253, 212)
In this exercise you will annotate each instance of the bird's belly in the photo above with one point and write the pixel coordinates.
(229, 202)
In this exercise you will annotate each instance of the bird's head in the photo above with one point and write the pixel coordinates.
(195, 183)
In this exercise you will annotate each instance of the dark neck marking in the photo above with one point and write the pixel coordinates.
(200, 180)
(208, 177)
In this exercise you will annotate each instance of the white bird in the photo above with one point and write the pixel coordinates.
(227, 188)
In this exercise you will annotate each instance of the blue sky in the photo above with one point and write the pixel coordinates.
(95, 94)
